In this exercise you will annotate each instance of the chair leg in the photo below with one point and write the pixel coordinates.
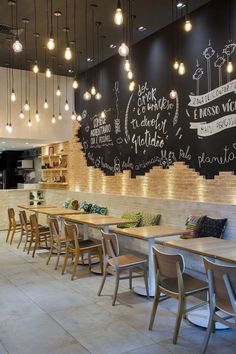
(58, 257)
(100, 258)
(181, 308)
(89, 262)
(154, 307)
(20, 240)
(75, 266)
(8, 233)
(145, 275)
(35, 246)
(116, 288)
(30, 244)
(13, 233)
(50, 255)
(210, 329)
(103, 280)
(65, 261)
(130, 279)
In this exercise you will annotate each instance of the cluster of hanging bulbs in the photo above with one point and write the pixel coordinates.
(93, 93)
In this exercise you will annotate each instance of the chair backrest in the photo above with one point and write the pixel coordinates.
(34, 224)
(54, 228)
(11, 216)
(72, 235)
(168, 264)
(222, 285)
(23, 220)
(110, 246)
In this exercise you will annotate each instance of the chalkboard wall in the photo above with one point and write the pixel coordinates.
(147, 128)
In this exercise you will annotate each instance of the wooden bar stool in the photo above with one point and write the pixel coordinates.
(117, 264)
(14, 226)
(78, 248)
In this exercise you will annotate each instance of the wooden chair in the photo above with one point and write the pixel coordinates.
(39, 234)
(222, 296)
(14, 226)
(172, 281)
(78, 248)
(58, 241)
(25, 229)
(116, 264)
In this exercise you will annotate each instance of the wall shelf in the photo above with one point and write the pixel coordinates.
(54, 169)
(54, 183)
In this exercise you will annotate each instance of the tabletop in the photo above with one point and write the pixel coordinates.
(213, 247)
(149, 232)
(55, 211)
(41, 206)
(97, 219)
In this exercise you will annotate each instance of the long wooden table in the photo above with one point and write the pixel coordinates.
(149, 233)
(212, 247)
(55, 211)
(41, 206)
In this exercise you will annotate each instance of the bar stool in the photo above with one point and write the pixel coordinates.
(38, 234)
(14, 226)
(78, 248)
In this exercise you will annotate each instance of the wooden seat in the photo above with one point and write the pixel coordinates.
(222, 296)
(13, 227)
(38, 234)
(117, 264)
(78, 248)
(172, 281)
(58, 240)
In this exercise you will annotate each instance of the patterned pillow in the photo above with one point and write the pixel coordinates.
(212, 227)
(84, 206)
(193, 224)
(150, 219)
(66, 203)
(74, 204)
(134, 217)
(97, 209)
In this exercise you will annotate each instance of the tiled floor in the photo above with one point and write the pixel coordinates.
(42, 312)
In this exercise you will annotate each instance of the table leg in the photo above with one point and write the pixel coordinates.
(86, 233)
(151, 275)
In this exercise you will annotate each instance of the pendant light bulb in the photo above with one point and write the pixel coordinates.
(26, 106)
(48, 73)
(188, 26)
(7, 127)
(98, 96)
(58, 91)
(75, 84)
(181, 70)
(21, 115)
(51, 43)
(17, 46)
(35, 68)
(93, 90)
(229, 67)
(123, 50)
(132, 86)
(127, 65)
(173, 94)
(79, 118)
(59, 116)
(53, 119)
(176, 65)
(68, 54)
(37, 116)
(103, 114)
(130, 75)
(118, 18)
(10, 128)
(87, 96)
(13, 96)
(73, 116)
(29, 124)
(67, 106)
(45, 105)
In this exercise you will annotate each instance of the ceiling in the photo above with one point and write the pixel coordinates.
(152, 14)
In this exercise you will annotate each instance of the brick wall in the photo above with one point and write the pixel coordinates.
(178, 182)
